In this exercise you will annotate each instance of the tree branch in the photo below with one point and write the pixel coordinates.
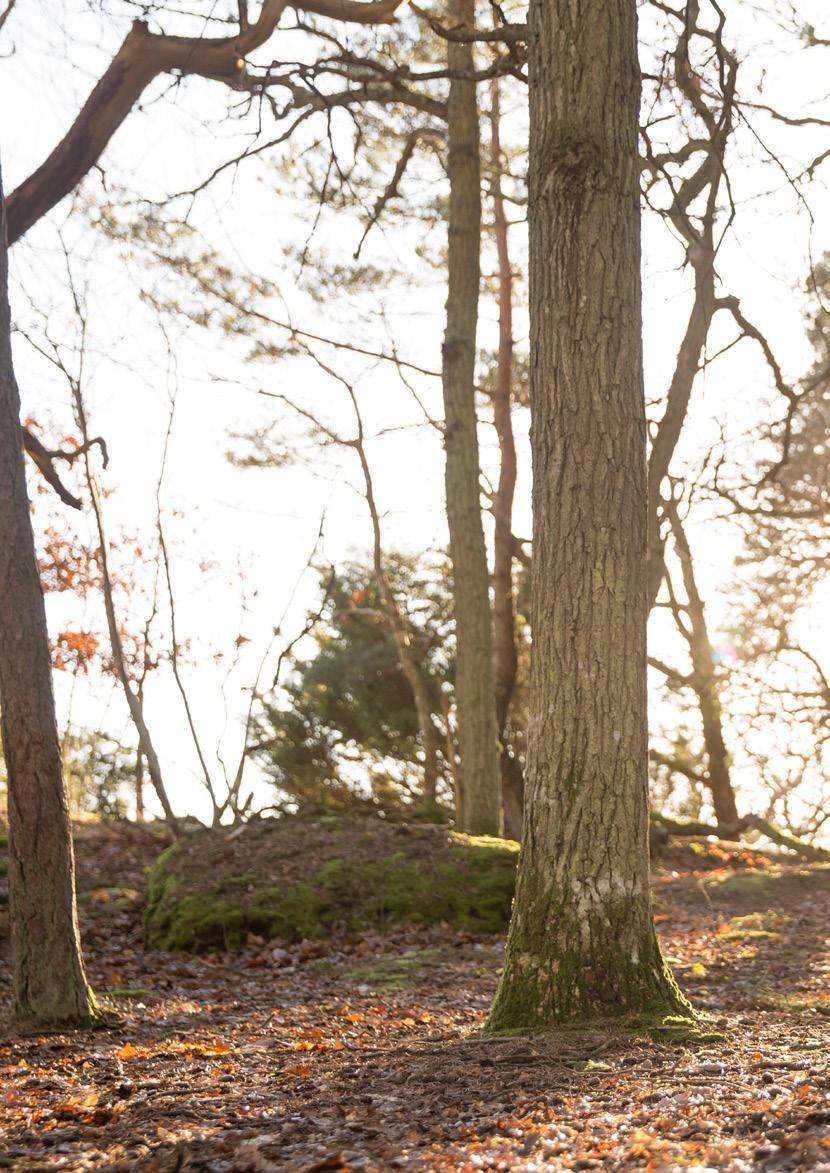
(142, 57)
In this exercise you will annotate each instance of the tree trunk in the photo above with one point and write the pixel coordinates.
(582, 944)
(133, 696)
(411, 663)
(49, 983)
(139, 786)
(134, 703)
(505, 656)
(705, 681)
(698, 231)
(477, 735)
(679, 395)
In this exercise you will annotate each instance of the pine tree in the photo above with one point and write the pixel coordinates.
(582, 944)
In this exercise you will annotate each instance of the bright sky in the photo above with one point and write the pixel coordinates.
(226, 525)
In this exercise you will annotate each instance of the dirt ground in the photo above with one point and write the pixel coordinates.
(365, 1053)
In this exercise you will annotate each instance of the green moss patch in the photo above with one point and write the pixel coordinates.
(755, 926)
(762, 887)
(295, 879)
(400, 971)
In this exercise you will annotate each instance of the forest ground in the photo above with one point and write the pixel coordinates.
(364, 1053)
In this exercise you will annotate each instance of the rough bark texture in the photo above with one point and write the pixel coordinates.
(582, 944)
(505, 656)
(705, 681)
(49, 983)
(477, 736)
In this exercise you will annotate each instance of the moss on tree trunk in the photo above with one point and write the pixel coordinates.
(49, 983)
(581, 941)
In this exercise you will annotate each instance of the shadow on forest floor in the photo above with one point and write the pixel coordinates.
(364, 1053)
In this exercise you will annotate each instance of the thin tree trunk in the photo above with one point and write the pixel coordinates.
(410, 662)
(582, 944)
(49, 982)
(450, 750)
(677, 404)
(217, 809)
(477, 733)
(139, 786)
(133, 703)
(505, 655)
(698, 231)
(133, 696)
(705, 683)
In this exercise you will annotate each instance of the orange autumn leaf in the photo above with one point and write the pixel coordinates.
(217, 1048)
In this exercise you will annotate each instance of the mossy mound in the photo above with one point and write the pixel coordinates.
(295, 879)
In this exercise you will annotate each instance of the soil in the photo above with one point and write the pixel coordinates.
(364, 1051)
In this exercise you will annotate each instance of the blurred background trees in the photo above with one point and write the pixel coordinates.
(286, 241)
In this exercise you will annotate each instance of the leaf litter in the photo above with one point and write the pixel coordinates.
(366, 1052)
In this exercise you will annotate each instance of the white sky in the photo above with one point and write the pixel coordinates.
(265, 522)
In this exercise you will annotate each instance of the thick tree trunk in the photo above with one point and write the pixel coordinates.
(49, 983)
(705, 682)
(582, 944)
(505, 656)
(477, 735)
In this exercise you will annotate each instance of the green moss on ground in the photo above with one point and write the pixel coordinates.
(765, 887)
(400, 971)
(296, 879)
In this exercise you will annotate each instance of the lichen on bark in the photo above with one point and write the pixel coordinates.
(582, 944)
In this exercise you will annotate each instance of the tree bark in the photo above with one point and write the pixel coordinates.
(477, 735)
(677, 404)
(704, 681)
(747, 823)
(49, 982)
(505, 656)
(701, 252)
(139, 786)
(582, 944)
(142, 56)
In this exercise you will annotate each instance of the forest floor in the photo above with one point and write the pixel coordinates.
(365, 1053)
